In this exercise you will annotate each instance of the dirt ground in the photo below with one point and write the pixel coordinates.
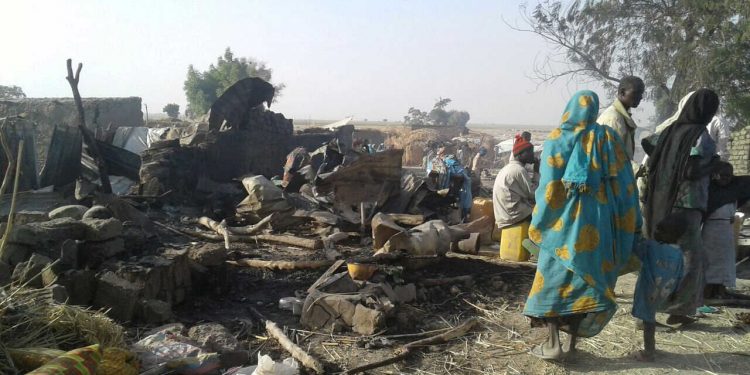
(716, 344)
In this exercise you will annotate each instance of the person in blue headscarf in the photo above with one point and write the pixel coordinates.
(585, 223)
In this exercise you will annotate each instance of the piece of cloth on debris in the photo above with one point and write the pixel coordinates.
(81, 361)
(619, 119)
(719, 245)
(585, 219)
(512, 195)
(661, 271)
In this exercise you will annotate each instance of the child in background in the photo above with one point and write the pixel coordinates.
(661, 271)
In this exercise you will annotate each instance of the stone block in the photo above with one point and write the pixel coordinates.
(214, 337)
(152, 273)
(136, 239)
(26, 217)
(118, 295)
(181, 266)
(80, 285)
(322, 312)
(406, 293)
(208, 255)
(153, 311)
(48, 235)
(72, 211)
(70, 253)
(102, 229)
(367, 321)
(102, 250)
(30, 272)
(15, 253)
(59, 293)
(97, 212)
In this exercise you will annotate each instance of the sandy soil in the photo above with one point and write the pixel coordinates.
(716, 344)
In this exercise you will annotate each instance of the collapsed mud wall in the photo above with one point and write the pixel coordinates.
(46, 113)
(312, 139)
(257, 146)
(739, 152)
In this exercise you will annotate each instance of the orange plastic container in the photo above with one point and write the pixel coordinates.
(511, 242)
(481, 207)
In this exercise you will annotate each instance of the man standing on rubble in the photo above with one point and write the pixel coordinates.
(617, 116)
(513, 192)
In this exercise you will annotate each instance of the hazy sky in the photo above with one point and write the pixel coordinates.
(370, 59)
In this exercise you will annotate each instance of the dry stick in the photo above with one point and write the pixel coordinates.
(87, 138)
(406, 350)
(246, 230)
(242, 234)
(281, 264)
(308, 243)
(11, 212)
(297, 353)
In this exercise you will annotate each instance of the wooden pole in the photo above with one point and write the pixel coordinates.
(9, 156)
(87, 137)
(297, 353)
(11, 212)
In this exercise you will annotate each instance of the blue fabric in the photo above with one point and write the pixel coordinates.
(585, 219)
(661, 271)
(454, 168)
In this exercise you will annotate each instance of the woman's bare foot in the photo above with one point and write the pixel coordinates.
(547, 353)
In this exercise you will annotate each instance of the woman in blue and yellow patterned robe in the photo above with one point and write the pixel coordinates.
(585, 221)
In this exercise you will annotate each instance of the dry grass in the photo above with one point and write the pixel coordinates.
(30, 318)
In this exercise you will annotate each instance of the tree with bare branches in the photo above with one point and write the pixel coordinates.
(675, 45)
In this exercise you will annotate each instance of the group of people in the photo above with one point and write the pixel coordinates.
(592, 223)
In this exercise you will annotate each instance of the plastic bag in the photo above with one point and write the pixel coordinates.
(162, 347)
(267, 366)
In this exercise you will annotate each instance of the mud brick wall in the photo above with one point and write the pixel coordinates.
(739, 151)
(259, 146)
(46, 113)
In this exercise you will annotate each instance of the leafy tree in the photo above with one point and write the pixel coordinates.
(203, 88)
(438, 116)
(172, 110)
(458, 118)
(11, 92)
(675, 45)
